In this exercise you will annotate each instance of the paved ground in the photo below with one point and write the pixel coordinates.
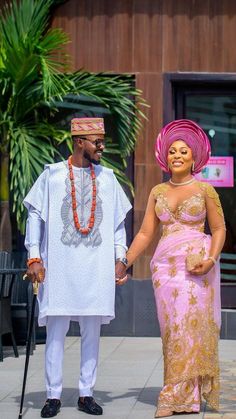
(129, 379)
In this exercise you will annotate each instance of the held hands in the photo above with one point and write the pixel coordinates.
(120, 273)
(36, 272)
(202, 268)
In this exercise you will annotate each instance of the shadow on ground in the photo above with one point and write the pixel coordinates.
(35, 400)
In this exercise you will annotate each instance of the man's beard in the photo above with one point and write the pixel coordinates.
(87, 157)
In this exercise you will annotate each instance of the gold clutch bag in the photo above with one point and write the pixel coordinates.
(192, 260)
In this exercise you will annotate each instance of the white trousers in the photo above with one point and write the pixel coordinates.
(57, 328)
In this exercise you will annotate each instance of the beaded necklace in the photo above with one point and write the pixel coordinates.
(83, 230)
(187, 182)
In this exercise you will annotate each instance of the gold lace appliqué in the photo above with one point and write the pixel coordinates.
(159, 189)
(211, 192)
(192, 348)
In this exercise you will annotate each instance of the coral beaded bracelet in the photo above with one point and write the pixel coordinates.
(33, 260)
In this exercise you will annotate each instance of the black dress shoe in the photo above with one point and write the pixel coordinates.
(51, 408)
(88, 405)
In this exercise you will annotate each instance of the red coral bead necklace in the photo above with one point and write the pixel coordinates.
(83, 230)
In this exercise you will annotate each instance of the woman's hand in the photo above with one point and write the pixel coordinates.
(36, 272)
(202, 268)
(120, 273)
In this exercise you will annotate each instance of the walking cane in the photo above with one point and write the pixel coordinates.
(28, 344)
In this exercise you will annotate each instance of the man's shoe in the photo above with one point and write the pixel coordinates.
(51, 408)
(88, 405)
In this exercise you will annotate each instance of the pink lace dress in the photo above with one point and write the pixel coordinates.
(188, 306)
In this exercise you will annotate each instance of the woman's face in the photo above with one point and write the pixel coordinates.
(180, 158)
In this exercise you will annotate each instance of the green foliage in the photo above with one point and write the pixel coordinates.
(35, 85)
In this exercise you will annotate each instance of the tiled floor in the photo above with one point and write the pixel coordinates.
(227, 393)
(129, 379)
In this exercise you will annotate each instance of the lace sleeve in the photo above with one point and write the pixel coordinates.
(215, 213)
(211, 193)
(159, 189)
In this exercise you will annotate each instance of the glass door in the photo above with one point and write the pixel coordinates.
(214, 108)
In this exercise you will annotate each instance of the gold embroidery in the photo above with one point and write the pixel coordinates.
(193, 259)
(175, 312)
(174, 407)
(166, 317)
(157, 283)
(155, 269)
(172, 271)
(160, 204)
(160, 189)
(194, 210)
(175, 327)
(206, 283)
(175, 293)
(177, 247)
(195, 205)
(192, 322)
(192, 285)
(196, 200)
(178, 348)
(158, 210)
(211, 192)
(192, 300)
(177, 228)
(178, 398)
(203, 252)
(171, 229)
(212, 294)
(194, 350)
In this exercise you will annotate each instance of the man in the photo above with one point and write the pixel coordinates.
(76, 241)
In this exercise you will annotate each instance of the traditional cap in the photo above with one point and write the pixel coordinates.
(189, 132)
(87, 126)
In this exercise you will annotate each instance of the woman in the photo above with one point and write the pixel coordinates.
(185, 269)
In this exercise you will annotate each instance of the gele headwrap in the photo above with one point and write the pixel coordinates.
(87, 126)
(189, 132)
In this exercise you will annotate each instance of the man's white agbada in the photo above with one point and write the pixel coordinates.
(80, 275)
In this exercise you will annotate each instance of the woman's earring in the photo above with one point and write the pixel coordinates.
(193, 167)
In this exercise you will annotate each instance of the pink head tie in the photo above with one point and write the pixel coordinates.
(189, 132)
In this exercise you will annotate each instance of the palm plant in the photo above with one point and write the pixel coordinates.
(34, 86)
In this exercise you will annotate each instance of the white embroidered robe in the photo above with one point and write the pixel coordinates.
(80, 270)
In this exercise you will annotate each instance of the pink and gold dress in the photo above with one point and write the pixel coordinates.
(188, 306)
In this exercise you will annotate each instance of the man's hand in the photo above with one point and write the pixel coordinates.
(120, 273)
(36, 272)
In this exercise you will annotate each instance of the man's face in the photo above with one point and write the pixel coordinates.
(93, 146)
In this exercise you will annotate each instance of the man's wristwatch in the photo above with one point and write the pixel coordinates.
(123, 260)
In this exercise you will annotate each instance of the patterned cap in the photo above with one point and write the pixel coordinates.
(87, 126)
(189, 132)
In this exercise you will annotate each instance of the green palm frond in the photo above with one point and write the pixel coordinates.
(117, 96)
(122, 99)
(36, 87)
(30, 149)
(113, 159)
